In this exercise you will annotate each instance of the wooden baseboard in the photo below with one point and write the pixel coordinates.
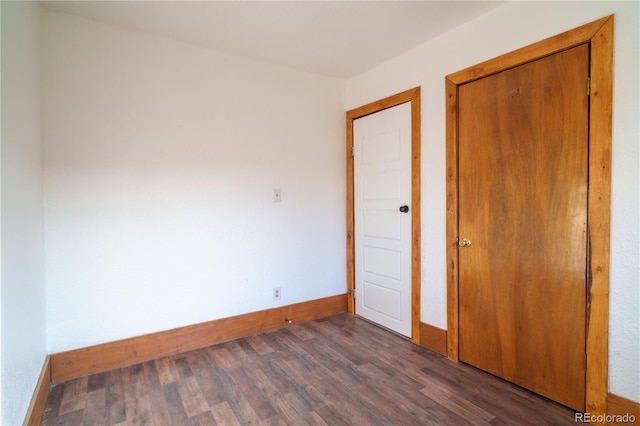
(619, 406)
(433, 338)
(107, 356)
(40, 393)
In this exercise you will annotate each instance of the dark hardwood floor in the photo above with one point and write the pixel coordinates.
(336, 371)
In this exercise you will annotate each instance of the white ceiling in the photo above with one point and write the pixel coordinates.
(335, 38)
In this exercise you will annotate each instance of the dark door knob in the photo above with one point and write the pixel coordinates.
(404, 209)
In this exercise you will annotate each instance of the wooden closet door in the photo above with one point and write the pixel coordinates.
(523, 158)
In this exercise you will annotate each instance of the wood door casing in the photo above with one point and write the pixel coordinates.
(599, 35)
(523, 157)
(413, 96)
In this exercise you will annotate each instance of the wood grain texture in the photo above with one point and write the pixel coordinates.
(619, 406)
(107, 356)
(600, 143)
(600, 35)
(339, 370)
(523, 156)
(40, 394)
(351, 243)
(413, 96)
(452, 261)
(529, 53)
(382, 104)
(433, 338)
(416, 228)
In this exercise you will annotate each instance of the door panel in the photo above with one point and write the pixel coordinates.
(380, 187)
(381, 224)
(523, 157)
(382, 183)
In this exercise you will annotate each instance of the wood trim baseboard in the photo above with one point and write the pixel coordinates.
(433, 338)
(620, 406)
(107, 356)
(40, 393)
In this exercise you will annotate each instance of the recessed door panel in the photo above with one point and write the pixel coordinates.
(382, 300)
(381, 185)
(382, 148)
(381, 224)
(383, 262)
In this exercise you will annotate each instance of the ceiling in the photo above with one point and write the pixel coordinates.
(334, 38)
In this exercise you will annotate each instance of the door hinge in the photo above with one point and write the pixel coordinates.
(353, 293)
(352, 152)
(588, 86)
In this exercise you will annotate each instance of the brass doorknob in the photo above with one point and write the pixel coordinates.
(465, 242)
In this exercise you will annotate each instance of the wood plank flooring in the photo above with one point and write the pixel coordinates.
(336, 371)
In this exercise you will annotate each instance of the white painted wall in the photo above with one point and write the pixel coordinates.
(23, 285)
(504, 29)
(159, 163)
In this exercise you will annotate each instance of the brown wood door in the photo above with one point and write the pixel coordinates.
(523, 158)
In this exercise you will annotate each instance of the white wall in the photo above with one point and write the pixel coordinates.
(23, 288)
(159, 163)
(504, 29)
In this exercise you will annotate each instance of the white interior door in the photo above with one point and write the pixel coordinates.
(382, 198)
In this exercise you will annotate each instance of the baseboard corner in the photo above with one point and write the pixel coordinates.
(433, 338)
(620, 406)
(39, 399)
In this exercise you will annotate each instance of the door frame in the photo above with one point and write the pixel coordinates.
(413, 96)
(599, 35)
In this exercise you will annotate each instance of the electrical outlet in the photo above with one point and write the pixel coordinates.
(277, 293)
